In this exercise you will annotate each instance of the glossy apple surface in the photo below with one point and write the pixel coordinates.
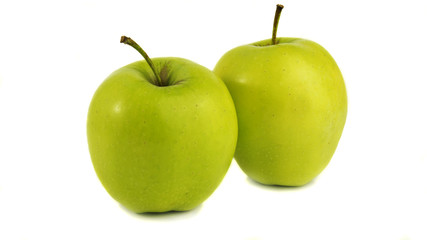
(161, 148)
(291, 106)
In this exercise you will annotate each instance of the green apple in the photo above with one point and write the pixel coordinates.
(291, 106)
(161, 133)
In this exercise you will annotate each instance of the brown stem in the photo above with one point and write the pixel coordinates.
(132, 43)
(279, 9)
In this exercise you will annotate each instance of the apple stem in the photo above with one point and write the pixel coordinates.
(279, 9)
(132, 43)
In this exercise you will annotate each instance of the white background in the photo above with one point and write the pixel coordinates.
(53, 56)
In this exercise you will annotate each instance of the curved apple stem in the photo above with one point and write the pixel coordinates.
(132, 43)
(279, 9)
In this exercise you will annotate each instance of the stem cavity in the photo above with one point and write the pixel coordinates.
(279, 9)
(132, 43)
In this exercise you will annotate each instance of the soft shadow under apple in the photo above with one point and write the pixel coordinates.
(164, 215)
(279, 187)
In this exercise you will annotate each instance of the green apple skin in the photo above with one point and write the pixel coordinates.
(291, 106)
(158, 149)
